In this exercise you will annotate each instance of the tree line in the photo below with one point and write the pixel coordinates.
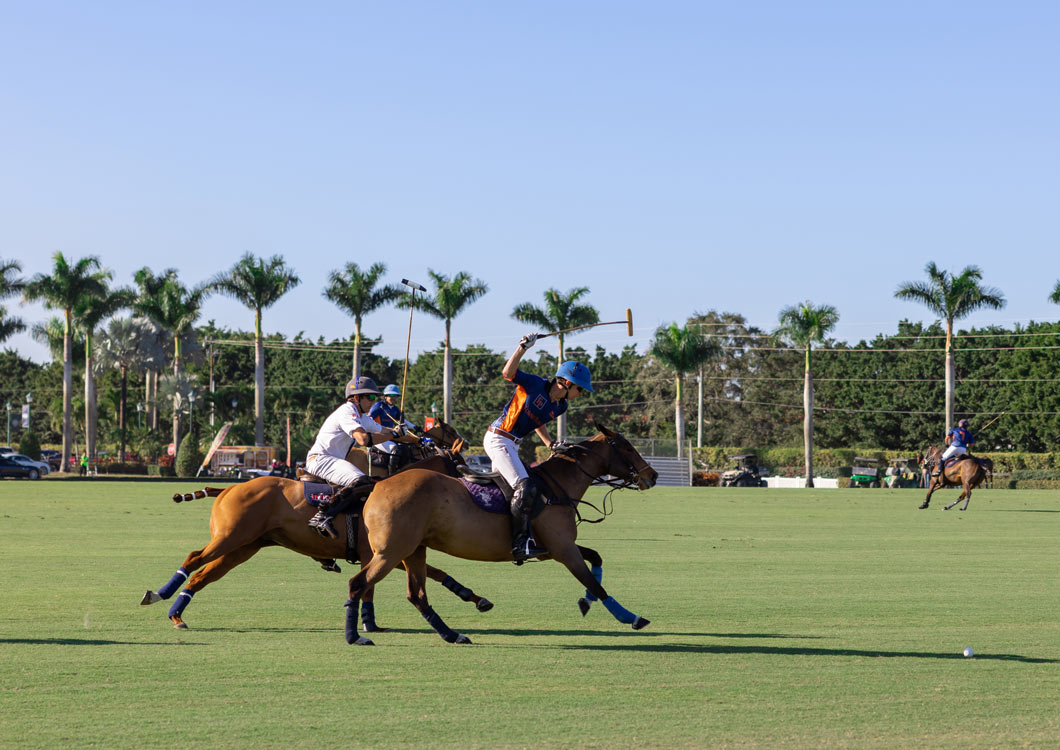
(712, 380)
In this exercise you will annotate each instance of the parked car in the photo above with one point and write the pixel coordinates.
(40, 466)
(11, 468)
(481, 464)
(5, 449)
(52, 457)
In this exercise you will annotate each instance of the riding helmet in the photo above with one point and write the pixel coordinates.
(392, 390)
(576, 373)
(362, 385)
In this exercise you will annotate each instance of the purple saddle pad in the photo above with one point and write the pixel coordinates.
(487, 496)
(316, 492)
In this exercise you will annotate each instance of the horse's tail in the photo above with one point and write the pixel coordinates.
(198, 494)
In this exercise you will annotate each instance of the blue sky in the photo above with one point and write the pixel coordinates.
(672, 156)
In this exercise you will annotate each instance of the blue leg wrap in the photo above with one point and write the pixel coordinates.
(447, 633)
(182, 601)
(619, 612)
(598, 574)
(173, 583)
(368, 614)
(351, 621)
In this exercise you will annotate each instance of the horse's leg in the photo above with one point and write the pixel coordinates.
(596, 563)
(481, 604)
(571, 556)
(416, 568)
(368, 609)
(373, 572)
(206, 575)
(936, 482)
(194, 561)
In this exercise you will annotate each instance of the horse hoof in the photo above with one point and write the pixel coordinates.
(362, 641)
(583, 605)
(374, 629)
(484, 605)
(178, 623)
(151, 598)
(921, 507)
(461, 638)
(641, 622)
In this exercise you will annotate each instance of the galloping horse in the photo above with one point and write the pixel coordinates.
(417, 509)
(967, 473)
(270, 511)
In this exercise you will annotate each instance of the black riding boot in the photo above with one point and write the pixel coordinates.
(328, 509)
(523, 545)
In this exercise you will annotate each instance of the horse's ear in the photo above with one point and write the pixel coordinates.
(603, 429)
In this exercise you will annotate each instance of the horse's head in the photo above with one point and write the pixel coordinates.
(931, 456)
(446, 437)
(624, 462)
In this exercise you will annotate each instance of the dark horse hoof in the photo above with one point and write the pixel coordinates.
(641, 622)
(484, 605)
(583, 605)
(922, 506)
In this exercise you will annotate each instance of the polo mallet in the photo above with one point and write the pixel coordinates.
(999, 416)
(628, 323)
(408, 342)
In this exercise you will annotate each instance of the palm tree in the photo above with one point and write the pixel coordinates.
(88, 315)
(126, 344)
(682, 350)
(65, 289)
(353, 290)
(9, 286)
(561, 311)
(1055, 296)
(951, 298)
(451, 296)
(257, 283)
(174, 308)
(802, 325)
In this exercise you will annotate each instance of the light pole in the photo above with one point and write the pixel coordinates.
(29, 400)
(9, 423)
(140, 413)
(191, 413)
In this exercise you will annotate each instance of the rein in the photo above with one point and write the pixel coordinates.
(615, 483)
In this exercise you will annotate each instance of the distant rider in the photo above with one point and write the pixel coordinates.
(327, 458)
(959, 440)
(388, 414)
(536, 402)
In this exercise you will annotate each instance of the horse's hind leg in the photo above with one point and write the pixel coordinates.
(596, 564)
(206, 575)
(416, 568)
(935, 484)
(481, 604)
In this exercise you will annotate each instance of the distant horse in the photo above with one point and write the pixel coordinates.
(270, 511)
(442, 435)
(967, 473)
(418, 509)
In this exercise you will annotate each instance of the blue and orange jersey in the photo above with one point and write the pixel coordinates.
(530, 407)
(385, 414)
(961, 438)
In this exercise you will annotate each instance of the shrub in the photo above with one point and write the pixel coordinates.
(119, 467)
(189, 457)
(29, 445)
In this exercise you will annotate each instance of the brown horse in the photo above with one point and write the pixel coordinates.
(417, 509)
(270, 511)
(967, 473)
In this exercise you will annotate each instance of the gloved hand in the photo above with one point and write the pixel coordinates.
(398, 430)
(529, 340)
(559, 446)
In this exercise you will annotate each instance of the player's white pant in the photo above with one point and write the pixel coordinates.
(504, 453)
(335, 470)
(953, 450)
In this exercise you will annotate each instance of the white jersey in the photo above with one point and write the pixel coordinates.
(336, 434)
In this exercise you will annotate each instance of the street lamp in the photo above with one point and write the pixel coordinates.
(29, 400)
(434, 409)
(140, 413)
(9, 423)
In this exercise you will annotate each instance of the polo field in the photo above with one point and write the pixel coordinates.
(779, 619)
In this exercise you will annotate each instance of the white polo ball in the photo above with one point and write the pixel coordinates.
(969, 652)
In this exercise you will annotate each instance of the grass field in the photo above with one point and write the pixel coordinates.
(780, 619)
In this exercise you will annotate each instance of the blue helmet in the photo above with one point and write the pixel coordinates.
(963, 423)
(576, 373)
(391, 390)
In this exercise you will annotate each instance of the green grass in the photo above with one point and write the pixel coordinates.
(780, 619)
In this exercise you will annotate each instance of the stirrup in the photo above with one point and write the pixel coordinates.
(525, 547)
(321, 523)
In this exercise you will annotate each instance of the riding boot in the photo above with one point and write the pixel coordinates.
(328, 509)
(523, 545)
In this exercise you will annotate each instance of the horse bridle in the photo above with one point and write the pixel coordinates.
(630, 480)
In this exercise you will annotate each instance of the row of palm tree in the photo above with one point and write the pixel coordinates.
(950, 297)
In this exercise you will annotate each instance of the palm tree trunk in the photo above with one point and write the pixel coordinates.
(447, 378)
(121, 412)
(68, 377)
(679, 421)
(176, 396)
(807, 422)
(949, 376)
(259, 382)
(699, 410)
(90, 401)
(356, 348)
(561, 421)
